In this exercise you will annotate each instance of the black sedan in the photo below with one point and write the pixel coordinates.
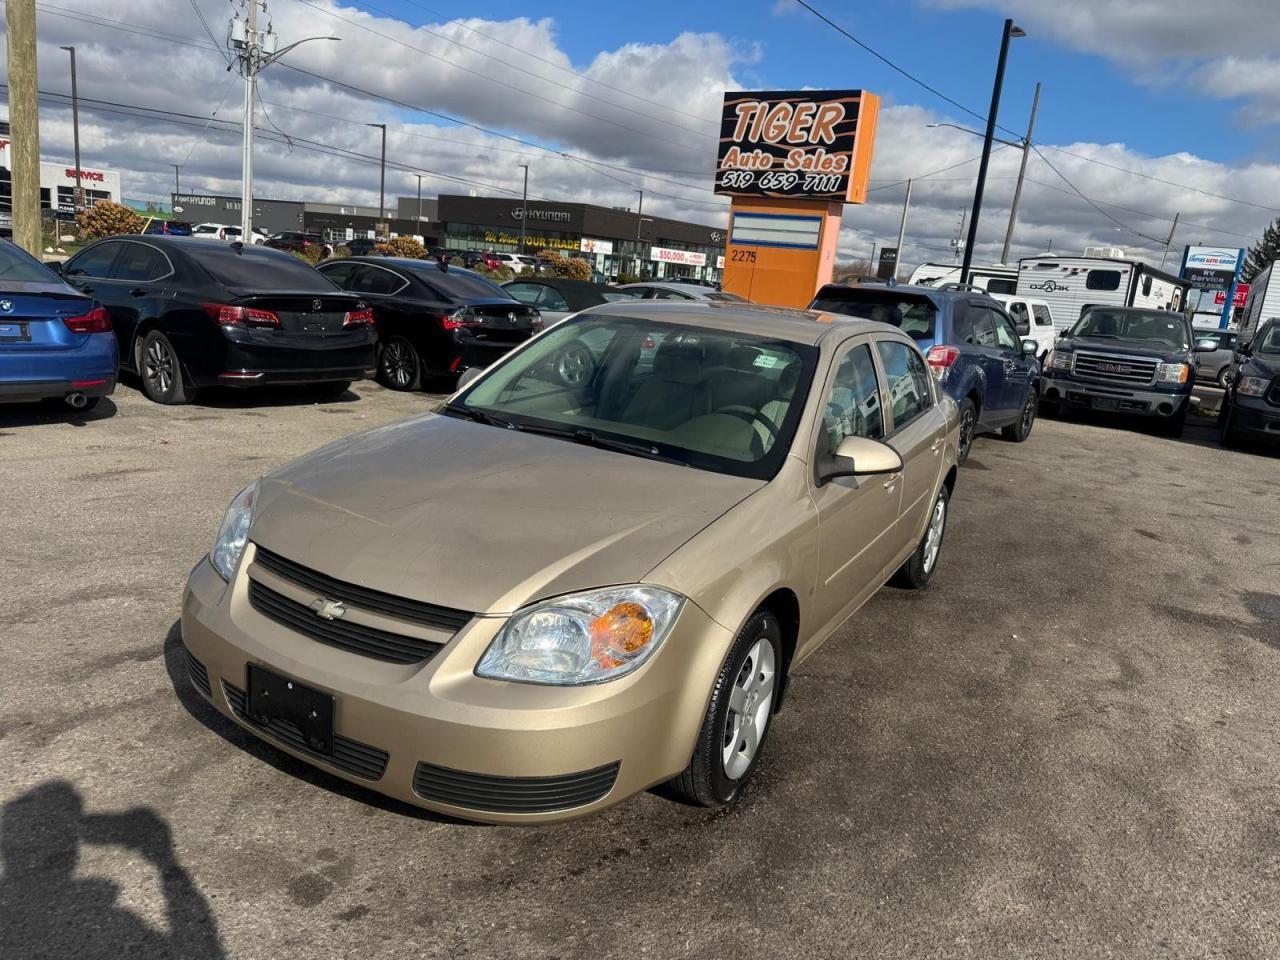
(192, 313)
(433, 319)
(1251, 405)
(556, 298)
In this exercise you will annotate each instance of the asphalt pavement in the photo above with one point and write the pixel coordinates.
(1066, 747)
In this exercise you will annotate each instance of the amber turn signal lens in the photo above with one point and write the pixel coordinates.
(619, 632)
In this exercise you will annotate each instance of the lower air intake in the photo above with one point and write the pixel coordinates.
(478, 791)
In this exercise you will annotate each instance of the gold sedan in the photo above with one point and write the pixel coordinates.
(592, 572)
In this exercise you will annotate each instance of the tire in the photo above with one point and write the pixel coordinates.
(1175, 425)
(1020, 429)
(1227, 436)
(916, 573)
(399, 366)
(1224, 378)
(750, 681)
(161, 371)
(334, 388)
(968, 429)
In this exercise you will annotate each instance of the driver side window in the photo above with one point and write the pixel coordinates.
(1005, 334)
(852, 407)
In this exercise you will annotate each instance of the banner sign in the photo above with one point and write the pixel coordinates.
(1241, 295)
(1211, 268)
(798, 144)
(688, 257)
(589, 245)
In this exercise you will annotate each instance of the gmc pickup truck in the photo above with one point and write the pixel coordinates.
(1124, 360)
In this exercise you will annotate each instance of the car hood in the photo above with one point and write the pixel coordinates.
(1124, 348)
(483, 519)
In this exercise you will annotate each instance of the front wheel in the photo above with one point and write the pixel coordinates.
(1227, 435)
(1176, 424)
(399, 367)
(1224, 378)
(1020, 429)
(161, 372)
(737, 719)
(968, 428)
(916, 573)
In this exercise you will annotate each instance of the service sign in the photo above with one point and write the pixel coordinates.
(797, 144)
(1211, 268)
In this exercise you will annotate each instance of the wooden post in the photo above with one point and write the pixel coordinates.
(24, 124)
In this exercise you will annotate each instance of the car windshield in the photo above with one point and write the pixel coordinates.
(259, 269)
(716, 400)
(1270, 341)
(914, 316)
(460, 284)
(18, 266)
(1150, 326)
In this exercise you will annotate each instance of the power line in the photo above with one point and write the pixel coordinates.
(925, 176)
(1076, 190)
(893, 66)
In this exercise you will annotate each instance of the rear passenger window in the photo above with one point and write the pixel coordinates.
(853, 406)
(340, 273)
(1043, 318)
(140, 263)
(984, 327)
(1021, 319)
(907, 379)
(375, 280)
(1103, 280)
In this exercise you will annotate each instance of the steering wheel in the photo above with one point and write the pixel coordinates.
(752, 416)
(574, 365)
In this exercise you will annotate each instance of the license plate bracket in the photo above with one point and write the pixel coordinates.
(274, 697)
(1106, 403)
(14, 331)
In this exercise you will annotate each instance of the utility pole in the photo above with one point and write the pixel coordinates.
(639, 221)
(24, 123)
(1010, 30)
(1169, 241)
(524, 205)
(419, 176)
(78, 203)
(382, 177)
(902, 229)
(958, 242)
(874, 244)
(1022, 172)
(177, 185)
(256, 50)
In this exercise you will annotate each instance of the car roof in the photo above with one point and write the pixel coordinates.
(936, 294)
(669, 285)
(409, 263)
(780, 323)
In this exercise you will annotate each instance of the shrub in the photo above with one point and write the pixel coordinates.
(570, 268)
(627, 278)
(107, 219)
(312, 255)
(498, 275)
(404, 247)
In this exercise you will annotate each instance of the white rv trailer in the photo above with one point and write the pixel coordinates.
(991, 277)
(1069, 284)
(1263, 302)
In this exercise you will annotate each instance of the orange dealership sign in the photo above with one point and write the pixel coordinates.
(797, 144)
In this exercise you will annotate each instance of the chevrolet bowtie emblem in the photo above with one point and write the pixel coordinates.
(327, 609)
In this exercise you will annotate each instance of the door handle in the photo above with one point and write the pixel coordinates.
(935, 446)
(892, 481)
(137, 292)
(1009, 365)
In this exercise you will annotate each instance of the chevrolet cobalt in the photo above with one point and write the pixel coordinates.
(592, 572)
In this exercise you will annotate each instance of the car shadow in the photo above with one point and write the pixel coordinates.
(203, 711)
(48, 909)
(243, 398)
(39, 413)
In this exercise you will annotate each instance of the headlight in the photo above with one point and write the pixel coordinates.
(1252, 386)
(583, 637)
(1059, 361)
(1174, 373)
(234, 532)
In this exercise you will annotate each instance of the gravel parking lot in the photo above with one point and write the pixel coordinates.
(1066, 747)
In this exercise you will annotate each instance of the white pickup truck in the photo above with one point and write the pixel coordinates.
(1032, 320)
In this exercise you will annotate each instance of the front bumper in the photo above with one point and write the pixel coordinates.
(406, 729)
(1112, 398)
(1254, 416)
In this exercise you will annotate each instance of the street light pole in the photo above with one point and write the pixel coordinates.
(419, 176)
(639, 221)
(524, 205)
(1010, 30)
(177, 185)
(1169, 241)
(902, 230)
(382, 177)
(1022, 173)
(75, 130)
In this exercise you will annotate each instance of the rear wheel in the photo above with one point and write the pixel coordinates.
(161, 372)
(1224, 377)
(968, 428)
(399, 367)
(737, 718)
(916, 573)
(1020, 429)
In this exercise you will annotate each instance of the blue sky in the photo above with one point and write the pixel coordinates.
(1085, 97)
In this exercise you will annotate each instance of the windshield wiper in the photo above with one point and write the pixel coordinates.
(592, 439)
(478, 415)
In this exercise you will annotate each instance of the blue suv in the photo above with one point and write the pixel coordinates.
(970, 343)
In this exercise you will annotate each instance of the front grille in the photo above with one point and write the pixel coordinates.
(1273, 395)
(1111, 368)
(350, 756)
(355, 637)
(478, 791)
(198, 674)
(433, 615)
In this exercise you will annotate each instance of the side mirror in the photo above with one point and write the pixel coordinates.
(55, 265)
(861, 457)
(1205, 346)
(469, 375)
(1243, 348)
(1030, 348)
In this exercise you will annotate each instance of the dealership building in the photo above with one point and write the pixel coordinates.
(605, 236)
(58, 182)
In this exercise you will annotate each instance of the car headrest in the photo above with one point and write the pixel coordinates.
(787, 381)
(742, 358)
(678, 363)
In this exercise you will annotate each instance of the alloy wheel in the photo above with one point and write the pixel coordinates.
(750, 706)
(1028, 415)
(966, 433)
(933, 537)
(159, 367)
(398, 365)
